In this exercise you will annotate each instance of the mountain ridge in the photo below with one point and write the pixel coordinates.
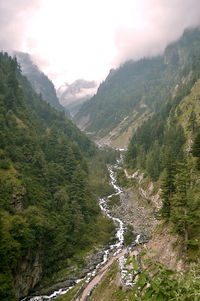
(39, 81)
(136, 90)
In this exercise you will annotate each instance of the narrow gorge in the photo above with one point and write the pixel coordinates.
(107, 256)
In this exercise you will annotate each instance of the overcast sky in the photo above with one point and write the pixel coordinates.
(71, 39)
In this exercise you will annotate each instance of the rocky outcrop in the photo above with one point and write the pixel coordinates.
(163, 246)
(147, 193)
(73, 273)
(18, 195)
(29, 273)
(166, 248)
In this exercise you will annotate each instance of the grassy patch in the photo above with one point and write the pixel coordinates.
(114, 201)
(106, 232)
(71, 293)
(108, 288)
(160, 227)
(129, 235)
(122, 180)
(99, 176)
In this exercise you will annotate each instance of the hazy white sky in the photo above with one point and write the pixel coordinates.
(73, 39)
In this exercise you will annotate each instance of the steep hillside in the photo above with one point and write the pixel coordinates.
(166, 147)
(174, 127)
(167, 267)
(49, 215)
(39, 81)
(133, 92)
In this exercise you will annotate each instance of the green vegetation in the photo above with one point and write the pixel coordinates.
(156, 282)
(71, 293)
(122, 180)
(168, 157)
(99, 179)
(171, 126)
(166, 148)
(129, 235)
(48, 209)
(196, 150)
(137, 89)
(108, 288)
(51, 173)
(114, 201)
(39, 81)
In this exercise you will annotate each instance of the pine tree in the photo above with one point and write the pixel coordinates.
(196, 150)
(168, 185)
(192, 122)
(182, 202)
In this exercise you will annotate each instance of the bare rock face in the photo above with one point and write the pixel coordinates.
(18, 195)
(166, 248)
(28, 274)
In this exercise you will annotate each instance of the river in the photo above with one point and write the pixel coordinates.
(116, 249)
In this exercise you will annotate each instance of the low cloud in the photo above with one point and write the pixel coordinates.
(67, 43)
(80, 89)
(15, 17)
(160, 22)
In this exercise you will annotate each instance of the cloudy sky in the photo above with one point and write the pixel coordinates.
(71, 39)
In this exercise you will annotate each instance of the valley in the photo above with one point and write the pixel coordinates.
(137, 90)
(107, 256)
(116, 251)
(77, 204)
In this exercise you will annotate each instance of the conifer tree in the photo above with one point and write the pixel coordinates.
(192, 122)
(182, 201)
(196, 150)
(168, 185)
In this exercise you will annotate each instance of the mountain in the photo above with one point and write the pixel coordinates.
(39, 81)
(133, 92)
(72, 96)
(163, 162)
(166, 149)
(49, 216)
(173, 128)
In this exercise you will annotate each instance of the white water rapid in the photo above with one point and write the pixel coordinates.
(115, 248)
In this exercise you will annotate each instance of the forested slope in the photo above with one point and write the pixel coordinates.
(137, 89)
(48, 213)
(166, 147)
(39, 81)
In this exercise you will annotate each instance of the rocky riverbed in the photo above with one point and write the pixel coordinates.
(136, 211)
(133, 209)
(95, 261)
(73, 273)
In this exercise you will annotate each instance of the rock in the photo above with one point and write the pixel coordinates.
(73, 274)
(29, 273)
(166, 248)
(136, 212)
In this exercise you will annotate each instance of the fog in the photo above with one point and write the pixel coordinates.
(71, 39)
(15, 17)
(164, 22)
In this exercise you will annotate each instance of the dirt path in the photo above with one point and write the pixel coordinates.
(99, 276)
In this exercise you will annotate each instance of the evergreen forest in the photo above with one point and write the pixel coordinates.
(49, 212)
(52, 174)
(138, 89)
(166, 147)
